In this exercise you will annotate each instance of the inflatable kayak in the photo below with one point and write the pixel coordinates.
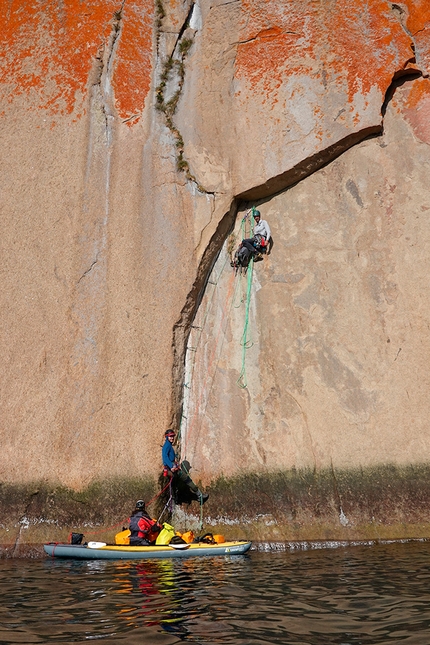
(103, 551)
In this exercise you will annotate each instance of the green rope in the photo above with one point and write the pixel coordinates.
(201, 516)
(238, 295)
(206, 314)
(245, 341)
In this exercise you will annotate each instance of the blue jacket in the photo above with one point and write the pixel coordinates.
(168, 454)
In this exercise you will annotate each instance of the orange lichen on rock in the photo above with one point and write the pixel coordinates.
(414, 101)
(49, 50)
(418, 24)
(418, 15)
(132, 76)
(363, 42)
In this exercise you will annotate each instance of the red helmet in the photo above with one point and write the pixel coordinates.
(170, 433)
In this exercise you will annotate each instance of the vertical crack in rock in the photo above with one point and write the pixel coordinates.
(160, 14)
(108, 105)
(88, 308)
(401, 12)
(102, 113)
(107, 72)
(209, 223)
(102, 98)
(175, 66)
(185, 25)
(90, 268)
(181, 330)
(399, 79)
(271, 187)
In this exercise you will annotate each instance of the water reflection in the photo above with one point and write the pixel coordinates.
(152, 584)
(179, 596)
(366, 596)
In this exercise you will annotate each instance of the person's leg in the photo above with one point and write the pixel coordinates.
(187, 481)
(194, 490)
(248, 244)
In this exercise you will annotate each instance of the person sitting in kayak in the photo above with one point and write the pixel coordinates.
(143, 529)
(184, 489)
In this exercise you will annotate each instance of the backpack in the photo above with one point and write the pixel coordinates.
(166, 534)
(207, 538)
(76, 538)
(176, 539)
(242, 257)
(123, 537)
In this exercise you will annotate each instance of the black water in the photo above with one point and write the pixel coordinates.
(346, 596)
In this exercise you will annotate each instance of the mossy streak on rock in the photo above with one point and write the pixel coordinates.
(383, 495)
(168, 107)
(381, 502)
(41, 512)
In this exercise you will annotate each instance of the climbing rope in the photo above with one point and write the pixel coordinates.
(245, 341)
(159, 493)
(194, 349)
(165, 507)
(236, 300)
(213, 357)
(234, 289)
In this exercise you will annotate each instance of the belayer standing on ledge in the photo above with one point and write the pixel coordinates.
(143, 529)
(168, 453)
(184, 489)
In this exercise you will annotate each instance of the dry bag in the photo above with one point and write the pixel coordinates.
(166, 534)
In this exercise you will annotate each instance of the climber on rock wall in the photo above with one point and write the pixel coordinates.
(254, 246)
(262, 234)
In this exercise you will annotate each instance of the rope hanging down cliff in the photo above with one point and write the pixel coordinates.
(197, 394)
(248, 233)
(245, 341)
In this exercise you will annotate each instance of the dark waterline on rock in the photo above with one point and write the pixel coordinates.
(347, 596)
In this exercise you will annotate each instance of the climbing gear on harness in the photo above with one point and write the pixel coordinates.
(251, 247)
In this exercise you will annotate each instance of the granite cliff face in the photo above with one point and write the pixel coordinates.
(134, 138)
(335, 314)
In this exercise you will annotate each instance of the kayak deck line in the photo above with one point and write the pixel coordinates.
(121, 552)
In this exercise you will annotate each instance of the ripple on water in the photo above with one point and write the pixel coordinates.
(363, 595)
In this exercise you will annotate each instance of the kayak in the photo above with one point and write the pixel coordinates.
(103, 551)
